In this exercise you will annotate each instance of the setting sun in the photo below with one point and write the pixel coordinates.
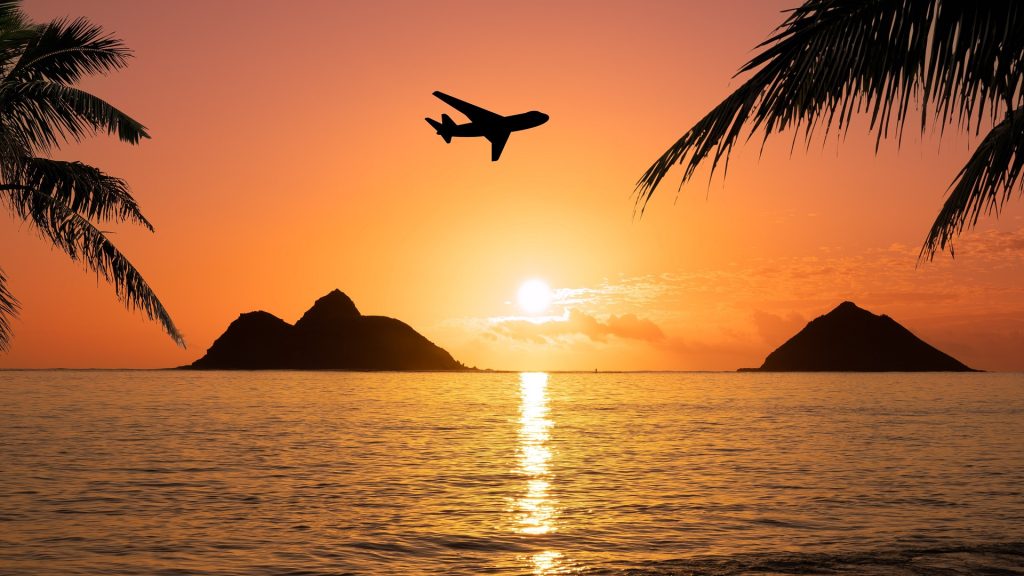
(534, 296)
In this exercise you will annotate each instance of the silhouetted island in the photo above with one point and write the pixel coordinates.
(332, 335)
(851, 339)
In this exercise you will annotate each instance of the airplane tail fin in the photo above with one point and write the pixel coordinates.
(443, 127)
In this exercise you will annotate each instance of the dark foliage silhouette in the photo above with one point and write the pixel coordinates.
(958, 61)
(40, 109)
(495, 127)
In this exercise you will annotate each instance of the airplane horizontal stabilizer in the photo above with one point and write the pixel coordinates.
(443, 127)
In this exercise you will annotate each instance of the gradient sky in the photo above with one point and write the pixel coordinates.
(290, 157)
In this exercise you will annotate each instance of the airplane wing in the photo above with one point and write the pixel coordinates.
(497, 144)
(474, 113)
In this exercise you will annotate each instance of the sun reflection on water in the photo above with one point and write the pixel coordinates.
(536, 511)
(547, 562)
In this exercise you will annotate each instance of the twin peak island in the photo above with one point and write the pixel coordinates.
(333, 335)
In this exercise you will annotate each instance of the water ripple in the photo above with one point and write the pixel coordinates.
(164, 472)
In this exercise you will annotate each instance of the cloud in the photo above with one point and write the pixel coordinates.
(576, 323)
(630, 292)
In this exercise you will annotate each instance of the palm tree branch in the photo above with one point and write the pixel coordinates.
(63, 51)
(76, 186)
(45, 113)
(833, 58)
(8, 310)
(983, 185)
(82, 241)
(714, 135)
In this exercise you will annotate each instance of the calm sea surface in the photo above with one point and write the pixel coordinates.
(167, 472)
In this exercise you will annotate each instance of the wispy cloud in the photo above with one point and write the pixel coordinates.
(576, 323)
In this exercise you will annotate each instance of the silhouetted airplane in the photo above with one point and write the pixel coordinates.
(494, 127)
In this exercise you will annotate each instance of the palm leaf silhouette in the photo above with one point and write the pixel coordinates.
(959, 61)
(82, 241)
(40, 109)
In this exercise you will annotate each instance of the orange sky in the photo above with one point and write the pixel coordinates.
(290, 157)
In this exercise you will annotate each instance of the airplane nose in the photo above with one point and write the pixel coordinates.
(543, 117)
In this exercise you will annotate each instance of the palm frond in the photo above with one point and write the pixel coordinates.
(39, 110)
(983, 185)
(8, 310)
(45, 114)
(15, 32)
(12, 19)
(75, 186)
(961, 60)
(83, 242)
(63, 51)
(714, 135)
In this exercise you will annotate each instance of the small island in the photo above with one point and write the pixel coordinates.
(332, 335)
(851, 339)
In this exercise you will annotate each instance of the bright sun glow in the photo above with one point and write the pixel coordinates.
(534, 296)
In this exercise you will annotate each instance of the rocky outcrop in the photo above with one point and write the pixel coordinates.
(851, 339)
(332, 335)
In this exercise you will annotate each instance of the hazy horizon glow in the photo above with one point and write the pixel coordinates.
(286, 164)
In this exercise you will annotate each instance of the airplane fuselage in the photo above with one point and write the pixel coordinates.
(513, 123)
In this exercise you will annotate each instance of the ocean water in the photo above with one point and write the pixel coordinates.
(179, 472)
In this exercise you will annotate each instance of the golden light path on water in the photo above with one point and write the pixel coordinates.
(535, 509)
